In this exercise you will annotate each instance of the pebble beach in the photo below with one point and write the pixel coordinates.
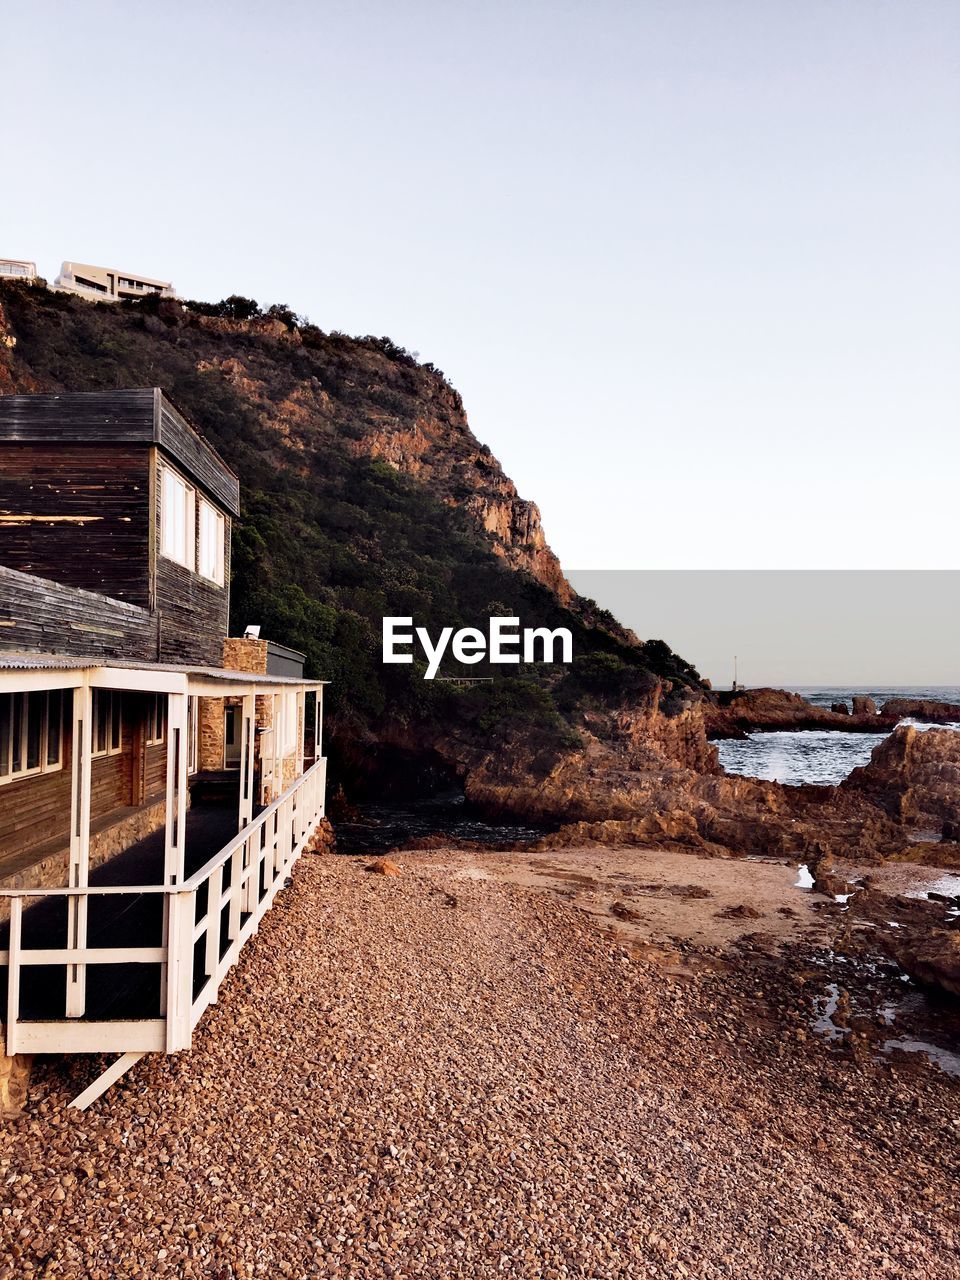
(439, 1075)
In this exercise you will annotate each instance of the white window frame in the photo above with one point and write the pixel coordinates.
(177, 502)
(211, 518)
(114, 713)
(43, 766)
(156, 719)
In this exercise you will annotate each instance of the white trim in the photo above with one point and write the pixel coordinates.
(219, 537)
(114, 709)
(157, 715)
(178, 503)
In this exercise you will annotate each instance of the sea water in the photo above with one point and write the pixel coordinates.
(821, 756)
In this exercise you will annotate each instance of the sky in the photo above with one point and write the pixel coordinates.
(795, 628)
(693, 266)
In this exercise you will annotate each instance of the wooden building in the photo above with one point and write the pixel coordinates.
(136, 854)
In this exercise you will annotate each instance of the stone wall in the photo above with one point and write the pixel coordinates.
(243, 654)
(210, 733)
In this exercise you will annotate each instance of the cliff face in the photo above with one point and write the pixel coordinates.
(368, 395)
(409, 418)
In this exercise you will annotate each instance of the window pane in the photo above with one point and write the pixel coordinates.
(176, 518)
(211, 542)
(35, 703)
(4, 735)
(19, 700)
(100, 709)
(54, 722)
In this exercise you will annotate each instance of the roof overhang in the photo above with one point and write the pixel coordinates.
(32, 672)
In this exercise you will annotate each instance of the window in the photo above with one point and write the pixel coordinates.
(31, 733)
(210, 563)
(156, 718)
(177, 535)
(106, 722)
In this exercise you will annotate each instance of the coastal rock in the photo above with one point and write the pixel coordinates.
(324, 838)
(914, 776)
(933, 959)
(768, 709)
(924, 709)
(863, 706)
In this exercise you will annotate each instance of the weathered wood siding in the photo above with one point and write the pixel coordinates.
(78, 514)
(194, 613)
(39, 615)
(177, 438)
(80, 505)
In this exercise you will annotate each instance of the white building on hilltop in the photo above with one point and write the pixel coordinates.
(107, 284)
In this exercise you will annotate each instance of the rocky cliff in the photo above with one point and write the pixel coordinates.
(364, 493)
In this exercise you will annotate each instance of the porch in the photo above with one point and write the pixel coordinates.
(126, 956)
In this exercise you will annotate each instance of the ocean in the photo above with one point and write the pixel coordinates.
(821, 756)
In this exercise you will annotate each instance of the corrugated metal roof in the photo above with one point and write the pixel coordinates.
(71, 662)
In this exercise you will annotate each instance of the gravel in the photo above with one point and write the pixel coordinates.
(432, 1076)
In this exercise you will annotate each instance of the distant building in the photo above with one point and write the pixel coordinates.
(17, 269)
(107, 284)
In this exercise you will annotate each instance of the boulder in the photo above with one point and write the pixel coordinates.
(384, 867)
(841, 708)
(323, 839)
(933, 960)
(863, 706)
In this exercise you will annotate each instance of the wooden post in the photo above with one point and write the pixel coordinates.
(79, 873)
(214, 909)
(247, 746)
(13, 974)
(180, 912)
(174, 837)
(277, 787)
(301, 728)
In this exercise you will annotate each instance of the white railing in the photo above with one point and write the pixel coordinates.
(206, 921)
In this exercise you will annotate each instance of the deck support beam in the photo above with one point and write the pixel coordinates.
(105, 1080)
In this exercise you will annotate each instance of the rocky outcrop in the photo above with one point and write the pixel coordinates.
(732, 715)
(914, 776)
(925, 710)
(932, 959)
(469, 476)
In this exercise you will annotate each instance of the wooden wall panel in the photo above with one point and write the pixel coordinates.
(78, 514)
(192, 452)
(37, 614)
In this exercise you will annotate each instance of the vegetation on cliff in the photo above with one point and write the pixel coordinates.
(364, 493)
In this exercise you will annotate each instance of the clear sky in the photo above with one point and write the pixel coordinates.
(693, 265)
(795, 628)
